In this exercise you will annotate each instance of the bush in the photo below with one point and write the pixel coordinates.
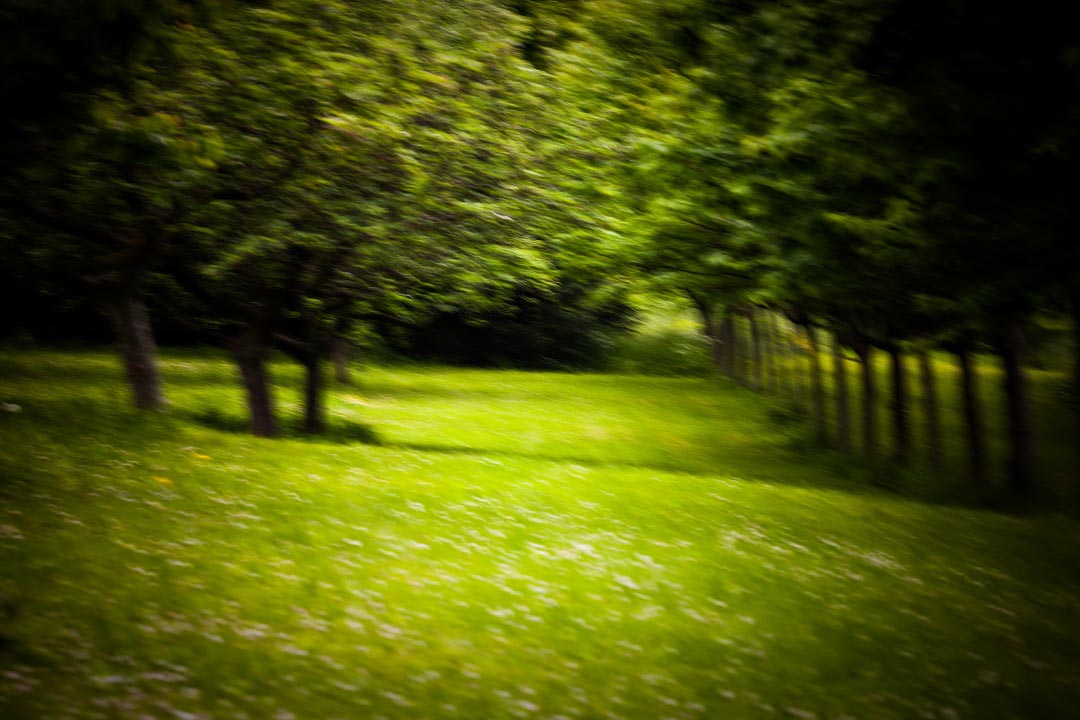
(666, 343)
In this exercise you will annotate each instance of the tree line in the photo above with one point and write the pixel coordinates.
(290, 175)
(887, 173)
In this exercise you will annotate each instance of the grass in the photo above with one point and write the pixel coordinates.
(499, 545)
(672, 340)
(1054, 425)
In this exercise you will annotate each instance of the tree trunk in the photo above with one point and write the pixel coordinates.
(717, 351)
(1021, 455)
(869, 399)
(726, 331)
(972, 419)
(1076, 366)
(843, 408)
(713, 333)
(742, 351)
(718, 345)
(817, 389)
(933, 417)
(756, 370)
(136, 338)
(898, 404)
(769, 340)
(314, 413)
(783, 351)
(804, 369)
(798, 371)
(252, 363)
(735, 349)
(339, 351)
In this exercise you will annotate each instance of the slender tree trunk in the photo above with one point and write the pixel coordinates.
(727, 335)
(135, 335)
(1076, 365)
(898, 404)
(976, 445)
(339, 351)
(803, 367)
(1076, 347)
(817, 389)
(869, 400)
(741, 352)
(718, 345)
(843, 408)
(798, 372)
(314, 412)
(772, 381)
(711, 329)
(717, 350)
(783, 348)
(780, 348)
(756, 370)
(1021, 454)
(932, 414)
(252, 363)
(766, 351)
(707, 327)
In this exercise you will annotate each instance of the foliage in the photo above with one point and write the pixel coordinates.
(667, 342)
(293, 174)
(570, 326)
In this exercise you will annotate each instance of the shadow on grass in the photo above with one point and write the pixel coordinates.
(78, 419)
(109, 419)
(844, 476)
(546, 457)
(883, 475)
(337, 430)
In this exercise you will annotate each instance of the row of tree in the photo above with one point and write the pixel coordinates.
(291, 174)
(887, 172)
(761, 349)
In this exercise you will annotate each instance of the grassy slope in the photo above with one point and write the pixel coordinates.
(519, 545)
(1053, 421)
(671, 340)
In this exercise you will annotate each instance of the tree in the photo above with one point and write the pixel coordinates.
(377, 163)
(95, 163)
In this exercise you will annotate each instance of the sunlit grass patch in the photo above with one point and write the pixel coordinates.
(517, 545)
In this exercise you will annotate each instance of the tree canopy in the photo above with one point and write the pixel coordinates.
(293, 174)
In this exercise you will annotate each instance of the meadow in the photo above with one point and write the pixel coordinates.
(497, 544)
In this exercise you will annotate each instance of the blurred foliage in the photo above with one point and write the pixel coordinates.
(517, 182)
(666, 342)
(571, 326)
(290, 173)
(309, 168)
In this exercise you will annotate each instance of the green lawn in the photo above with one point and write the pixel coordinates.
(516, 545)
